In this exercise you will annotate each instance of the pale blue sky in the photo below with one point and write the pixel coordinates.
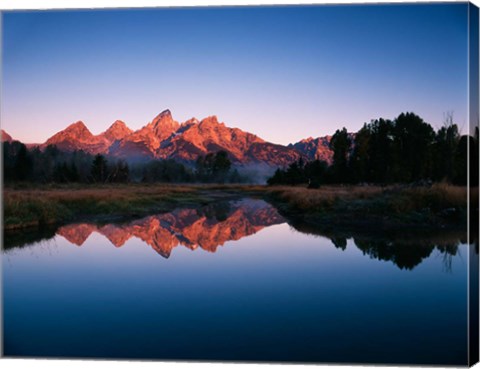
(283, 73)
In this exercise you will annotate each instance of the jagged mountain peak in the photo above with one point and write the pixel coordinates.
(75, 131)
(78, 137)
(211, 120)
(118, 123)
(164, 124)
(78, 125)
(192, 120)
(5, 136)
(308, 139)
(165, 113)
(117, 131)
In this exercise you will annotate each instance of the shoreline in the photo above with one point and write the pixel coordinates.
(438, 207)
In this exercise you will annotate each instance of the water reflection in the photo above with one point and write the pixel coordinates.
(207, 228)
(405, 248)
(211, 226)
(278, 291)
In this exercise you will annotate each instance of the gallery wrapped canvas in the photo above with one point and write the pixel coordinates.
(293, 184)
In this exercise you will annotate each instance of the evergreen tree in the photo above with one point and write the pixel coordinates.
(221, 166)
(340, 145)
(413, 139)
(444, 147)
(316, 173)
(213, 167)
(380, 151)
(360, 159)
(23, 164)
(474, 160)
(99, 170)
(119, 172)
(277, 178)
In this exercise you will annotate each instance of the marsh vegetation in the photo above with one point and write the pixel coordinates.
(440, 205)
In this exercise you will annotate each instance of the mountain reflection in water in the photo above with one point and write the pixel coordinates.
(211, 226)
(280, 290)
(207, 227)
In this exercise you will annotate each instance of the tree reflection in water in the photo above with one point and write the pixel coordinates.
(209, 227)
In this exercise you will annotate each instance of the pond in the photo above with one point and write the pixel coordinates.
(234, 281)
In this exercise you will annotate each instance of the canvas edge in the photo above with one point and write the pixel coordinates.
(473, 157)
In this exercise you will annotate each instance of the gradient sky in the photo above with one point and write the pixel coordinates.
(283, 73)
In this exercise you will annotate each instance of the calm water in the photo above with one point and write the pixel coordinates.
(234, 282)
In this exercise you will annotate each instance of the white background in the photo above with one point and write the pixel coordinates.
(99, 364)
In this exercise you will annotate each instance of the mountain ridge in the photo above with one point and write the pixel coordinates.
(5, 137)
(166, 138)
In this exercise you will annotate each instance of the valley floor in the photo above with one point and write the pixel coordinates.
(370, 207)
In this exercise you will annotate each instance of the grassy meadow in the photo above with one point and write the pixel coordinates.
(29, 207)
(440, 205)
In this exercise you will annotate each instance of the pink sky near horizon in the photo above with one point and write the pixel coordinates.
(282, 73)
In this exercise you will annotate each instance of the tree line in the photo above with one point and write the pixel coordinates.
(52, 165)
(403, 150)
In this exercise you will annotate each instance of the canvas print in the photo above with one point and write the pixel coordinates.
(251, 184)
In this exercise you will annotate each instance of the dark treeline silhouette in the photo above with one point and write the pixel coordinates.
(211, 168)
(405, 150)
(52, 165)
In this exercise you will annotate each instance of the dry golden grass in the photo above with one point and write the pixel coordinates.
(28, 207)
(324, 197)
(35, 206)
(397, 205)
(437, 197)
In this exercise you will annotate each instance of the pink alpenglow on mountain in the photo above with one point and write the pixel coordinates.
(117, 131)
(209, 135)
(78, 137)
(315, 148)
(165, 138)
(6, 137)
(147, 140)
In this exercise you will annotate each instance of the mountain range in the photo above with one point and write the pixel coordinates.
(165, 138)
